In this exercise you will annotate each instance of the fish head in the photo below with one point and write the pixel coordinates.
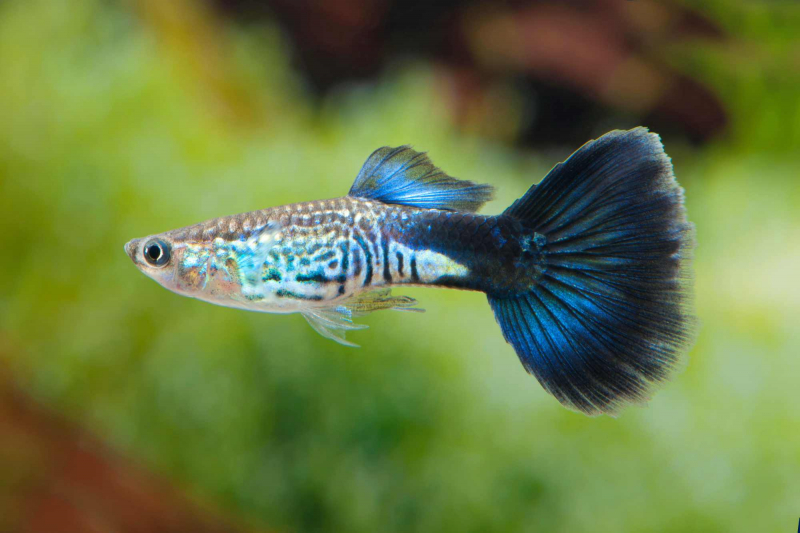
(179, 266)
(224, 268)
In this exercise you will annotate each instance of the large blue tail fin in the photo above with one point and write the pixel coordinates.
(611, 315)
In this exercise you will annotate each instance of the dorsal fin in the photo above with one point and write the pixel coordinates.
(405, 177)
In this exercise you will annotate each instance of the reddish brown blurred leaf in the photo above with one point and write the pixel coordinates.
(577, 63)
(57, 478)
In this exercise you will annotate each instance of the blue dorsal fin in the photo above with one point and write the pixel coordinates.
(405, 177)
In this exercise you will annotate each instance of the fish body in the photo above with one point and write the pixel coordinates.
(587, 273)
(288, 258)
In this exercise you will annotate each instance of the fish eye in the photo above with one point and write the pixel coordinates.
(156, 252)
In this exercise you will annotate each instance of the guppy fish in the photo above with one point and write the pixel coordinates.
(587, 273)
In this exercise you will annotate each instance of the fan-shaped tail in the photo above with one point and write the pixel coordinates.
(612, 314)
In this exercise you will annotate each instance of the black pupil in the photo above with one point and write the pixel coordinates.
(154, 252)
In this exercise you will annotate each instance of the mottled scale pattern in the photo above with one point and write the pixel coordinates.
(328, 250)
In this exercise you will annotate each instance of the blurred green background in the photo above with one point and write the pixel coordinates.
(122, 119)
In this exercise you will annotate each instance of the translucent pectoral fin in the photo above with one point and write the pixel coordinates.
(332, 324)
(335, 321)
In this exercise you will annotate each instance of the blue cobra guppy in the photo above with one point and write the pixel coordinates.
(587, 274)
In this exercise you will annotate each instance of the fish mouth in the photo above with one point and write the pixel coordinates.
(130, 248)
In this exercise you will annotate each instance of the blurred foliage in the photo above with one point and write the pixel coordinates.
(121, 120)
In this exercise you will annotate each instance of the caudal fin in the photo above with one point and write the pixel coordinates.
(611, 315)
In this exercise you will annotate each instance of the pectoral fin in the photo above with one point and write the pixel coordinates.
(335, 321)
